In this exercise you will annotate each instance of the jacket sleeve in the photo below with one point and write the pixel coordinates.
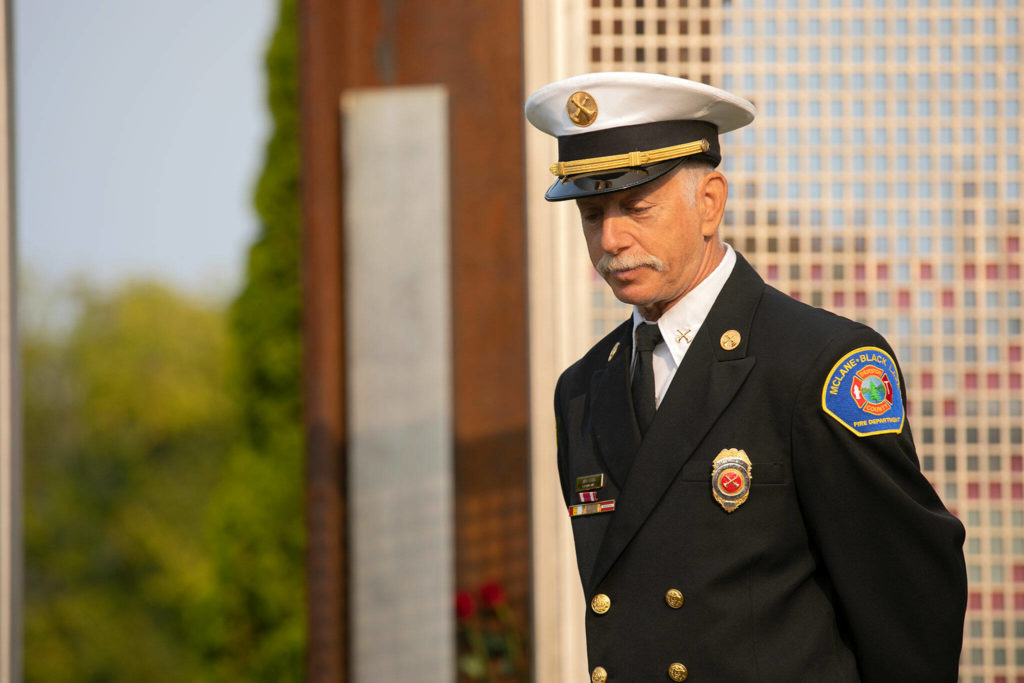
(891, 551)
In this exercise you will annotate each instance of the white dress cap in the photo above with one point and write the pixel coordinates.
(627, 99)
(617, 130)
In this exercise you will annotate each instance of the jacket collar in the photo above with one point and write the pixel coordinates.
(614, 422)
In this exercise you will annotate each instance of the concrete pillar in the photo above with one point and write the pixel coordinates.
(558, 275)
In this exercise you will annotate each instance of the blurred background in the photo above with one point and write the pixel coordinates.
(280, 425)
(162, 477)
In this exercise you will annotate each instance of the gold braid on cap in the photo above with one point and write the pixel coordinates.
(563, 169)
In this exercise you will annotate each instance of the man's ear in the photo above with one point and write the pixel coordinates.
(711, 196)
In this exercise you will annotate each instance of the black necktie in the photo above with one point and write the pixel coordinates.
(647, 337)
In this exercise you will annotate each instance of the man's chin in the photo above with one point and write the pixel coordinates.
(630, 295)
(651, 304)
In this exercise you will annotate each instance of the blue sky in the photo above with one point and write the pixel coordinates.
(139, 134)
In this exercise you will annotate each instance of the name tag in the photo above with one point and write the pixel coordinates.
(589, 482)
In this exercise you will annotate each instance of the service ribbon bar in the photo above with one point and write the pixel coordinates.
(563, 169)
(591, 508)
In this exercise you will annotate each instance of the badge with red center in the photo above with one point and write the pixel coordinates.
(730, 478)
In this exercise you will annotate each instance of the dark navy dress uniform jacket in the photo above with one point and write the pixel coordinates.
(843, 564)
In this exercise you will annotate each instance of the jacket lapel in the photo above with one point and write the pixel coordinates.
(614, 424)
(703, 387)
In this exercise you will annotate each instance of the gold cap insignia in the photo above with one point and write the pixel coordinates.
(581, 108)
(730, 478)
(730, 340)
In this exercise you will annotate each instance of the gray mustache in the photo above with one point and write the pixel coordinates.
(609, 263)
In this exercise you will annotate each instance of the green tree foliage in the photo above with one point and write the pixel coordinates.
(128, 417)
(163, 439)
(256, 624)
(266, 317)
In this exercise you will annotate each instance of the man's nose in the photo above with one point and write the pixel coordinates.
(615, 235)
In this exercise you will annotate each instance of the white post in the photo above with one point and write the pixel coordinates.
(559, 273)
(10, 409)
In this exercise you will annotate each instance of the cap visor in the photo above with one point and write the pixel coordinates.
(588, 186)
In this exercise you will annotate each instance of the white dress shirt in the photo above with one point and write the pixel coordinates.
(679, 324)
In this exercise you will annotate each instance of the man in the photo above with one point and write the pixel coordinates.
(744, 492)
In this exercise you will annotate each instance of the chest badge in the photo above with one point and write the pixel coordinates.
(730, 478)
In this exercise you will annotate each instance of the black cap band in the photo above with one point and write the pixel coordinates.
(638, 138)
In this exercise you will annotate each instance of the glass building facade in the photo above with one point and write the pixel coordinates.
(882, 180)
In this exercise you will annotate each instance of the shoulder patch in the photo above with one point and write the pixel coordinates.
(862, 392)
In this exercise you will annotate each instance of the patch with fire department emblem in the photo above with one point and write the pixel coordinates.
(730, 478)
(862, 392)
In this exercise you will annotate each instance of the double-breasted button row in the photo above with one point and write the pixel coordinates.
(601, 603)
(676, 671)
(674, 599)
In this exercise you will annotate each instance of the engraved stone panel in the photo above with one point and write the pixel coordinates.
(399, 396)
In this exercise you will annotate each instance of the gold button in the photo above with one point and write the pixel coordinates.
(600, 603)
(730, 340)
(599, 675)
(677, 672)
(674, 598)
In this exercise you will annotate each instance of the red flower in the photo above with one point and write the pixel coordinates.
(492, 594)
(463, 605)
